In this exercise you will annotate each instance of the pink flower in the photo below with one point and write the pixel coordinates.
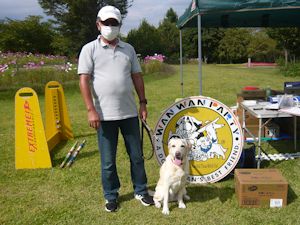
(158, 57)
(3, 68)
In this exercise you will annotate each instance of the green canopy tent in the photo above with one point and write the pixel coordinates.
(240, 13)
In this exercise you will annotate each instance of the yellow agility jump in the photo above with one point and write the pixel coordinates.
(32, 141)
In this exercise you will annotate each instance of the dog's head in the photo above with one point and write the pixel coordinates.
(178, 150)
(186, 125)
(204, 142)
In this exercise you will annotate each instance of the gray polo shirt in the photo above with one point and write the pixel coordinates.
(110, 70)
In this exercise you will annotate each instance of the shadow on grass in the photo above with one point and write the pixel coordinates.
(61, 147)
(291, 196)
(86, 135)
(201, 193)
(129, 196)
(197, 193)
(82, 155)
(284, 146)
(281, 147)
(206, 193)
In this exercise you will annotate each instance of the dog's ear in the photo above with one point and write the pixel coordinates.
(200, 135)
(198, 126)
(173, 136)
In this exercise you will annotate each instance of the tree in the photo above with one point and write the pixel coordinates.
(261, 47)
(190, 42)
(233, 47)
(145, 39)
(30, 35)
(75, 20)
(211, 38)
(288, 39)
(171, 16)
(169, 35)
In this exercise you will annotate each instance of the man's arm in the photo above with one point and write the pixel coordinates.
(140, 90)
(93, 116)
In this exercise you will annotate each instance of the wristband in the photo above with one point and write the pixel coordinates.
(143, 101)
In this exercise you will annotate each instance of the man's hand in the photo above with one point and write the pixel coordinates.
(143, 111)
(94, 119)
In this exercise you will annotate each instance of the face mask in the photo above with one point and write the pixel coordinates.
(110, 32)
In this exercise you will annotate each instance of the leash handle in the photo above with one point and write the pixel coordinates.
(150, 134)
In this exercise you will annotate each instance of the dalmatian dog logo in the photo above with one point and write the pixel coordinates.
(203, 138)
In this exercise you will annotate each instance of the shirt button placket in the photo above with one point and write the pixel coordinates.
(114, 53)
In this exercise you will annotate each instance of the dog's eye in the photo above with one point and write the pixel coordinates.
(182, 146)
(173, 146)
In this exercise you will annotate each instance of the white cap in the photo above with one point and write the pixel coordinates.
(109, 11)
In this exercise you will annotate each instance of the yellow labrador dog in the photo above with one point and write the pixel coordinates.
(173, 175)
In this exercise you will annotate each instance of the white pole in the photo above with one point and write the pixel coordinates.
(199, 54)
(249, 62)
(181, 65)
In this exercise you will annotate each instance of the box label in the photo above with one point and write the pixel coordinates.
(276, 203)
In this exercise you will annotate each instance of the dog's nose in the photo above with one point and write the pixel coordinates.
(178, 155)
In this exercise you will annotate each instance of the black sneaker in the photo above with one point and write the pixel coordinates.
(111, 206)
(145, 199)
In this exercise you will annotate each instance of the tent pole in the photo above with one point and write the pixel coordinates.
(199, 54)
(181, 65)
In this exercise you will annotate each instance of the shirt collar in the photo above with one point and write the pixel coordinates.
(103, 44)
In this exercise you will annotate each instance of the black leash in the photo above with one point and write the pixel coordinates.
(150, 133)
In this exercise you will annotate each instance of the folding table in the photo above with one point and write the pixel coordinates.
(257, 110)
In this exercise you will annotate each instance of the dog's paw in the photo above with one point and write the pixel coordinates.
(181, 205)
(165, 211)
(157, 204)
(186, 197)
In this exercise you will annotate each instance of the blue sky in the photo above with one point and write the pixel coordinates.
(153, 11)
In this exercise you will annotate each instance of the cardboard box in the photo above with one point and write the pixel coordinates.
(260, 188)
(254, 130)
(272, 130)
(254, 94)
(250, 120)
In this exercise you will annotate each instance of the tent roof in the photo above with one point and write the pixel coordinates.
(242, 13)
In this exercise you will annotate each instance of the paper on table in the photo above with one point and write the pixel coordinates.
(249, 102)
(292, 111)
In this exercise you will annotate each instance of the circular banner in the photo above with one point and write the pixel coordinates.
(213, 130)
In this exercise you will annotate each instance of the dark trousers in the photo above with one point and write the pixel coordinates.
(107, 142)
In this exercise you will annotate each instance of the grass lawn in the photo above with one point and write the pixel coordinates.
(74, 195)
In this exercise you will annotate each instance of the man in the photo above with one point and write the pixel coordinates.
(111, 67)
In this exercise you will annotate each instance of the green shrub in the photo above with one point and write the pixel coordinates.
(155, 66)
(291, 70)
(35, 78)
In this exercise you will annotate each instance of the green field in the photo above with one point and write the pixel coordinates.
(74, 195)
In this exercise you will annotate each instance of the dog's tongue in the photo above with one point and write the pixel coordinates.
(177, 162)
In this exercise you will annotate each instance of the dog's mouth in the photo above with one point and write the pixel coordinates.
(178, 159)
